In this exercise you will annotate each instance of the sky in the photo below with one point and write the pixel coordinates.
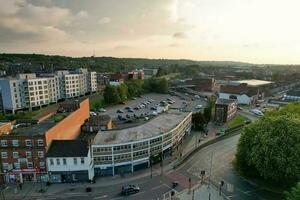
(256, 31)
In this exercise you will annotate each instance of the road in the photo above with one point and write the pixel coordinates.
(222, 154)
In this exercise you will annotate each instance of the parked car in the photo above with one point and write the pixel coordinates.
(130, 110)
(136, 108)
(93, 114)
(153, 108)
(120, 111)
(127, 108)
(198, 106)
(130, 189)
(128, 116)
(102, 110)
(154, 113)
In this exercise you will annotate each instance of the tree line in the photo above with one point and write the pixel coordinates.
(134, 88)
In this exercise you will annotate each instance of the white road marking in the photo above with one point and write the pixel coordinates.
(101, 197)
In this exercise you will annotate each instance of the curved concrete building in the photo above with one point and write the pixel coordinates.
(127, 150)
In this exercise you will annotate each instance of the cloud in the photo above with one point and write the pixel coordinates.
(180, 35)
(104, 20)
(82, 15)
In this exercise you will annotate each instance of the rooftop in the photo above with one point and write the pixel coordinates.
(36, 129)
(295, 93)
(68, 148)
(98, 120)
(254, 82)
(160, 124)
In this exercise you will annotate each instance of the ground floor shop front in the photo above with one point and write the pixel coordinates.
(69, 176)
(25, 175)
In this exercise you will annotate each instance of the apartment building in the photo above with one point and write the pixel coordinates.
(27, 91)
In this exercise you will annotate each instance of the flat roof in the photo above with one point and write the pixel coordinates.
(160, 124)
(32, 130)
(254, 82)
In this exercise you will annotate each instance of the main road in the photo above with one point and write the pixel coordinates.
(216, 160)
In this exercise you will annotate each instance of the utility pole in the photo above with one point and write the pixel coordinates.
(209, 179)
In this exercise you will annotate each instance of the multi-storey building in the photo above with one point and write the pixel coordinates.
(22, 149)
(225, 110)
(127, 150)
(27, 91)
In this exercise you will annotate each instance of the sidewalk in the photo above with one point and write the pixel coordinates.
(202, 192)
(190, 142)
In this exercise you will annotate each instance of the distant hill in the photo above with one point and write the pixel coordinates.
(107, 63)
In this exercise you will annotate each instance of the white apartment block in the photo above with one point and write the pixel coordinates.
(27, 91)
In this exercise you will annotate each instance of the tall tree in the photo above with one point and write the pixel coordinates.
(111, 94)
(270, 147)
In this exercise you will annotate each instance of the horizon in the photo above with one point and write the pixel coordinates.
(200, 30)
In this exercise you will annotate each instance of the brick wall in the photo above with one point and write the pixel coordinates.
(69, 128)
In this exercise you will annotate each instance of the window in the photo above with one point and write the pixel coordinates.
(4, 143)
(29, 165)
(15, 143)
(82, 160)
(40, 143)
(28, 143)
(64, 161)
(42, 164)
(40, 154)
(15, 154)
(17, 165)
(5, 166)
(57, 161)
(75, 161)
(51, 161)
(4, 154)
(28, 154)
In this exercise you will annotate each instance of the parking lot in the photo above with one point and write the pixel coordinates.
(141, 109)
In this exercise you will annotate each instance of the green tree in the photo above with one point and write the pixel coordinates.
(111, 94)
(294, 194)
(123, 92)
(270, 147)
(162, 86)
(134, 87)
(198, 121)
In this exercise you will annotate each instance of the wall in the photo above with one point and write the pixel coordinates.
(70, 166)
(242, 99)
(69, 128)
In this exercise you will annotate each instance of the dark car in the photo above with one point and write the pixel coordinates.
(120, 111)
(130, 110)
(153, 108)
(136, 108)
(130, 189)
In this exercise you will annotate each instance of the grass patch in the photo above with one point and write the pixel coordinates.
(96, 104)
(59, 117)
(238, 120)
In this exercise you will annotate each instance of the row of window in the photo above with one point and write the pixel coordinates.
(28, 143)
(63, 161)
(17, 165)
(16, 154)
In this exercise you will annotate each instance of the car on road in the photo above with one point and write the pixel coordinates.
(130, 189)
(120, 111)
(257, 112)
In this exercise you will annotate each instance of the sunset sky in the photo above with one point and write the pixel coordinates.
(257, 31)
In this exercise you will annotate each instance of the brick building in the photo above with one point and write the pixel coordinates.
(225, 110)
(23, 148)
(207, 86)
